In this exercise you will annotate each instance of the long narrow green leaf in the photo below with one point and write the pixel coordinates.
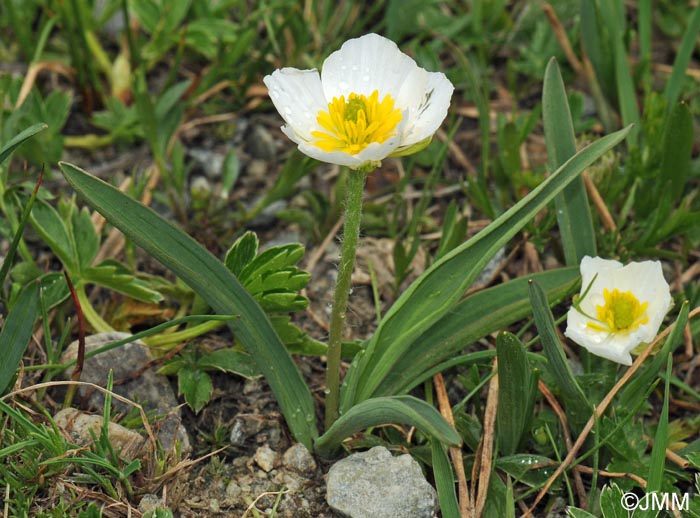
(215, 284)
(476, 316)
(437, 290)
(673, 88)
(385, 410)
(645, 377)
(679, 137)
(18, 139)
(513, 392)
(614, 26)
(573, 211)
(578, 406)
(644, 24)
(10, 256)
(657, 462)
(444, 481)
(16, 332)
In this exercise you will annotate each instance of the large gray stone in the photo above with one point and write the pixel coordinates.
(147, 388)
(375, 484)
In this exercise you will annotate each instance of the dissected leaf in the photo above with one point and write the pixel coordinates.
(115, 276)
(241, 253)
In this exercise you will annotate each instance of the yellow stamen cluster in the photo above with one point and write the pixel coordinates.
(621, 313)
(351, 125)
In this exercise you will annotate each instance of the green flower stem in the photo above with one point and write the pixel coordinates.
(93, 318)
(351, 232)
(165, 339)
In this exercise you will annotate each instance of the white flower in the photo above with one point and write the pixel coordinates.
(620, 307)
(370, 101)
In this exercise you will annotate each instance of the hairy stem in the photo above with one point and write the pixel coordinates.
(351, 232)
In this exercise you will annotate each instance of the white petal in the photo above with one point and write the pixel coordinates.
(590, 266)
(646, 282)
(428, 109)
(335, 157)
(611, 346)
(298, 97)
(365, 64)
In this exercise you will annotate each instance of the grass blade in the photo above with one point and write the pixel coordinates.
(573, 211)
(16, 332)
(18, 139)
(437, 290)
(387, 410)
(207, 276)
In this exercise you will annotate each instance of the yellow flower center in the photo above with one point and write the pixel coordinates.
(622, 312)
(351, 125)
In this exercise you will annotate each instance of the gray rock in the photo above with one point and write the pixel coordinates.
(261, 143)
(151, 390)
(375, 484)
(150, 503)
(244, 427)
(298, 458)
(82, 427)
(258, 169)
(211, 162)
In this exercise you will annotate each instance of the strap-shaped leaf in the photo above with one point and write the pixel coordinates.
(574, 397)
(685, 53)
(513, 392)
(16, 332)
(388, 410)
(444, 481)
(657, 464)
(474, 317)
(573, 212)
(436, 291)
(215, 284)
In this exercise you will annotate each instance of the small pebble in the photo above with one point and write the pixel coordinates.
(265, 457)
(299, 459)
